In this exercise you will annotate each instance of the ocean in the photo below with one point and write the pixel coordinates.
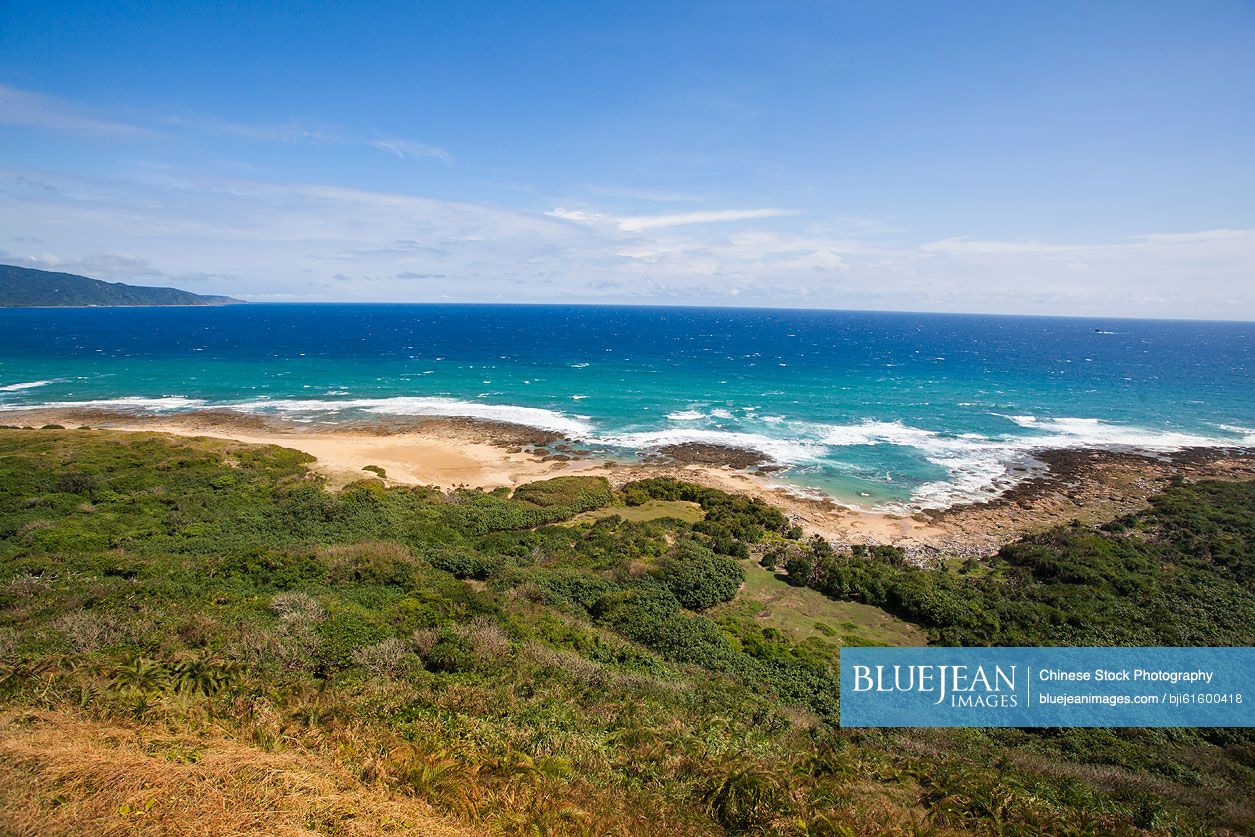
(882, 410)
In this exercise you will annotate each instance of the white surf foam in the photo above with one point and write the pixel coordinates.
(781, 451)
(1247, 433)
(981, 467)
(877, 432)
(1091, 432)
(426, 406)
(25, 385)
(132, 403)
(686, 415)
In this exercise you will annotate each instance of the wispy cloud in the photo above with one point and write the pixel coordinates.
(98, 265)
(304, 132)
(649, 222)
(651, 195)
(405, 149)
(637, 223)
(962, 246)
(300, 240)
(36, 110)
(1214, 239)
(31, 109)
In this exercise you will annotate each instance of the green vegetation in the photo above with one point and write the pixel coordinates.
(24, 287)
(681, 510)
(1178, 574)
(210, 616)
(805, 615)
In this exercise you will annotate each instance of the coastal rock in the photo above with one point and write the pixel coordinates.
(697, 453)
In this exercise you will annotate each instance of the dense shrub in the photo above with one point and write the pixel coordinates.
(741, 517)
(569, 495)
(462, 563)
(166, 584)
(1168, 576)
(650, 614)
(697, 577)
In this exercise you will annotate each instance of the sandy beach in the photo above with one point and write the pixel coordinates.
(1092, 486)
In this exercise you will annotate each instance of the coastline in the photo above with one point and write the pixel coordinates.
(1086, 484)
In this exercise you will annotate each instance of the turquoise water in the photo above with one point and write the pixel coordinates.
(882, 409)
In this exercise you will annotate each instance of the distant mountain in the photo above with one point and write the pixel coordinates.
(24, 287)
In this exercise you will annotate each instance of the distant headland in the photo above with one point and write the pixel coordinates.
(24, 287)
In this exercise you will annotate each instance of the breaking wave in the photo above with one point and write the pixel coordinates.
(164, 404)
(25, 385)
(779, 450)
(426, 406)
(977, 467)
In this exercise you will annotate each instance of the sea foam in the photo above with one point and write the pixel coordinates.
(780, 450)
(25, 385)
(164, 404)
(426, 406)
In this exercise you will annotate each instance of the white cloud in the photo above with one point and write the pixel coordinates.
(35, 110)
(962, 246)
(405, 149)
(290, 240)
(649, 222)
(113, 266)
(579, 216)
(30, 109)
(639, 223)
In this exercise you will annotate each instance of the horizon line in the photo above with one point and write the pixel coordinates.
(703, 306)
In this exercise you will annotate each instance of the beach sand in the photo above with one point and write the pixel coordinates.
(1092, 486)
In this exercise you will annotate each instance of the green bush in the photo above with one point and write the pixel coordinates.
(697, 577)
(463, 563)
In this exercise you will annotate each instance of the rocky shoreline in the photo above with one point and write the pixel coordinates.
(1055, 487)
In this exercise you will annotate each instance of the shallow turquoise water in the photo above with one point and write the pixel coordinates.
(878, 408)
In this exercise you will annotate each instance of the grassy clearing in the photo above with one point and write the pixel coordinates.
(802, 614)
(681, 510)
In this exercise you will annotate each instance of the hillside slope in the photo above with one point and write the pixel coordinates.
(197, 636)
(24, 287)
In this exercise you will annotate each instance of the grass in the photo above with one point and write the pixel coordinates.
(199, 637)
(650, 510)
(801, 614)
(65, 774)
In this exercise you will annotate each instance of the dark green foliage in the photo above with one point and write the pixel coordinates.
(573, 586)
(734, 515)
(650, 614)
(451, 652)
(571, 495)
(774, 558)
(1210, 521)
(697, 577)
(462, 562)
(346, 629)
(172, 581)
(535, 504)
(1177, 574)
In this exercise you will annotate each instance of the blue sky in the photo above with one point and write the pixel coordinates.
(1069, 158)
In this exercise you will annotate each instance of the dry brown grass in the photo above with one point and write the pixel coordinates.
(63, 774)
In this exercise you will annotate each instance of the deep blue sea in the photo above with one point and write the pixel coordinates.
(881, 409)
